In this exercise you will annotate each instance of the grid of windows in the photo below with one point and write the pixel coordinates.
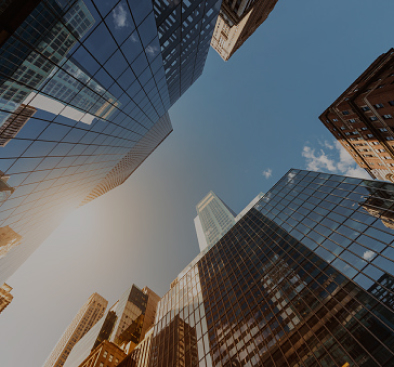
(267, 295)
(82, 83)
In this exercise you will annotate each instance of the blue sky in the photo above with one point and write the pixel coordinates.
(241, 127)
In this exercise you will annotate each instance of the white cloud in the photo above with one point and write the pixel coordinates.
(338, 160)
(267, 173)
(119, 16)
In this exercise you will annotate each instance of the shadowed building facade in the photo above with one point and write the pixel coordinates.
(362, 118)
(92, 311)
(237, 21)
(85, 87)
(305, 277)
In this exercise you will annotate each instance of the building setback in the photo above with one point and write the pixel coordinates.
(304, 278)
(237, 21)
(362, 118)
(92, 311)
(85, 87)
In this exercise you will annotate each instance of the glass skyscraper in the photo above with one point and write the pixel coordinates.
(85, 87)
(305, 278)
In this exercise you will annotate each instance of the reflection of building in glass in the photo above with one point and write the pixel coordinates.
(14, 122)
(105, 354)
(101, 93)
(25, 69)
(296, 281)
(123, 325)
(5, 296)
(8, 240)
(86, 318)
(237, 21)
(361, 119)
(214, 219)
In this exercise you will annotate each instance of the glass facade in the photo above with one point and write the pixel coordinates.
(85, 86)
(273, 293)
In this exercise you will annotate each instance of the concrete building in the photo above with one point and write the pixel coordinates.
(5, 296)
(362, 118)
(106, 354)
(214, 219)
(88, 315)
(124, 325)
(237, 21)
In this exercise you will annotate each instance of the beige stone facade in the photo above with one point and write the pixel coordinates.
(5, 296)
(85, 319)
(107, 354)
(236, 24)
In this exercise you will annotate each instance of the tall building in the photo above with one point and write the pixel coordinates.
(362, 118)
(214, 219)
(304, 278)
(100, 77)
(123, 326)
(5, 296)
(237, 21)
(88, 315)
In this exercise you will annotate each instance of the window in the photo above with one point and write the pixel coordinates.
(370, 136)
(105, 354)
(387, 116)
(367, 155)
(101, 364)
(346, 112)
(352, 120)
(366, 108)
(111, 357)
(381, 86)
(364, 128)
(373, 118)
(375, 143)
(386, 157)
(116, 361)
(335, 120)
(381, 150)
(343, 128)
(389, 138)
(379, 105)
(383, 129)
(391, 103)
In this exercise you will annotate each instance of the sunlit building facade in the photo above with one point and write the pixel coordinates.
(88, 315)
(123, 325)
(214, 219)
(85, 87)
(237, 21)
(362, 118)
(305, 277)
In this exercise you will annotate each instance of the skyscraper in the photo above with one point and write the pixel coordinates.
(304, 278)
(92, 311)
(100, 77)
(214, 219)
(124, 325)
(362, 118)
(237, 21)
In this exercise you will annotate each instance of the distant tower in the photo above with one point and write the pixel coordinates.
(213, 221)
(5, 296)
(86, 318)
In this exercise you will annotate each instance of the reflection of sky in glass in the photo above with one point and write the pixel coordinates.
(81, 84)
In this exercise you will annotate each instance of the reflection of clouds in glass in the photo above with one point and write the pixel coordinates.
(133, 38)
(368, 255)
(119, 15)
(290, 176)
(152, 50)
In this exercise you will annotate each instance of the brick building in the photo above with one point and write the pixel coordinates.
(362, 118)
